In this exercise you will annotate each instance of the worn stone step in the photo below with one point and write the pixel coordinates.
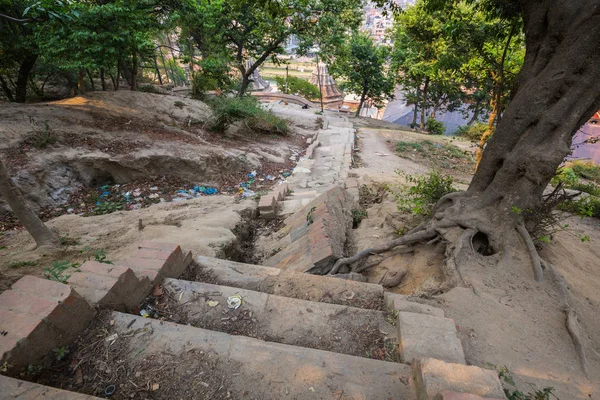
(157, 260)
(399, 302)
(108, 285)
(332, 327)
(427, 336)
(289, 283)
(36, 316)
(264, 370)
(437, 379)
(23, 390)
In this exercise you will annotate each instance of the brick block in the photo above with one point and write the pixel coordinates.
(435, 377)
(426, 336)
(400, 302)
(38, 315)
(104, 269)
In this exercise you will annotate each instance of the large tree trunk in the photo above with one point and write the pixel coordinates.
(103, 79)
(244, 85)
(36, 228)
(7, 90)
(23, 76)
(134, 71)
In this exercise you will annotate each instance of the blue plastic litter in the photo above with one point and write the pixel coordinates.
(286, 174)
(105, 194)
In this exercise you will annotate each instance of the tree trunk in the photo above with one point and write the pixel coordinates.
(416, 109)
(89, 74)
(476, 111)
(115, 82)
(102, 79)
(244, 85)
(424, 104)
(158, 71)
(36, 228)
(134, 71)
(558, 90)
(162, 57)
(23, 76)
(80, 87)
(7, 91)
(360, 104)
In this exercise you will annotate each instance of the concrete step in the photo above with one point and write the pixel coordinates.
(303, 323)
(36, 316)
(157, 260)
(23, 390)
(110, 286)
(243, 366)
(437, 379)
(428, 336)
(289, 283)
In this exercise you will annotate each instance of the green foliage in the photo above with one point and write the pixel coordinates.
(586, 169)
(424, 192)
(60, 352)
(435, 127)
(361, 64)
(513, 394)
(570, 175)
(357, 217)
(149, 89)
(44, 137)
(588, 206)
(214, 76)
(402, 147)
(107, 207)
(68, 241)
(19, 264)
(247, 109)
(429, 149)
(60, 271)
(179, 104)
(100, 256)
(297, 86)
(472, 132)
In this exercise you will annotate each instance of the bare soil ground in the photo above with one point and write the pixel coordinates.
(504, 318)
(105, 145)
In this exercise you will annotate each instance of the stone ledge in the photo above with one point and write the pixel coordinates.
(18, 389)
(435, 377)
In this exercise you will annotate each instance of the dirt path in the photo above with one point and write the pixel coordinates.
(504, 318)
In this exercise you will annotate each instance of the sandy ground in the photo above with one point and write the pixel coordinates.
(202, 225)
(503, 317)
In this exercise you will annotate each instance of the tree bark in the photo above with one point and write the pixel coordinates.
(416, 109)
(557, 91)
(134, 71)
(424, 104)
(362, 101)
(103, 79)
(7, 91)
(80, 88)
(23, 76)
(89, 74)
(158, 71)
(244, 85)
(36, 228)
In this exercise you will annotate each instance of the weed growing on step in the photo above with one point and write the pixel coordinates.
(179, 104)
(19, 264)
(61, 352)
(247, 109)
(60, 271)
(512, 393)
(100, 256)
(357, 217)
(424, 192)
(68, 241)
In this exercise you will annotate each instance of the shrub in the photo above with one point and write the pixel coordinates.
(214, 76)
(149, 89)
(472, 132)
(420, 198)
(586, 169)
(228, 110)
(179, 104)
(44, 138)
(588, 206)
(435, 127)
(297, 86)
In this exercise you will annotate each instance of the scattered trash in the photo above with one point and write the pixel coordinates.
(270, 177)
(154, 188)
(144, 313)
(286, 174)
(349, 295)
(70, 210)
(110, 390)
(213, 303)
(248, 193)
(301, 170)
(234, 302)
(155, 386)
(112, 337)
(153, 196)
(252, 174)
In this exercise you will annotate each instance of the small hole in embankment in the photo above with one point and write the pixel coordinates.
(481, 244)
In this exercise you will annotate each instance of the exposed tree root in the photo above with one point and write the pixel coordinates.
(394, 280)
(533, 254)
(573, 327)
(423, 234)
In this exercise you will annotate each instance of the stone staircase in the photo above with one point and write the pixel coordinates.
(294, 335)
